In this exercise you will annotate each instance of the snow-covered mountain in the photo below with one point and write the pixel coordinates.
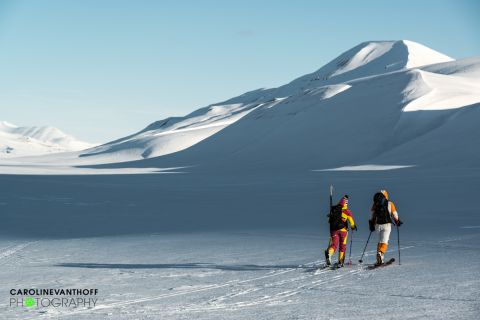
(387, 102)
(381, 102)
(25, 141)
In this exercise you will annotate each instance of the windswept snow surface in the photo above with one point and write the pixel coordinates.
(248, 275)
(25, 141)
(248, 249)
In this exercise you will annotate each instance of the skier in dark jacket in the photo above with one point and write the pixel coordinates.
(384, 214)
(339, 219)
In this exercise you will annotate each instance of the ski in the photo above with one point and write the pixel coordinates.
(320, 269)
(328, 263)
(375, 266)
(334, 266)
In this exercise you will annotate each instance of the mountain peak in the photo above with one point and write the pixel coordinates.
(371, 58)
(377, 57)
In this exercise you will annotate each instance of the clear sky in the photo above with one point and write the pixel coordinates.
(102, 69)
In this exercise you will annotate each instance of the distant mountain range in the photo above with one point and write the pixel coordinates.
(24, 141)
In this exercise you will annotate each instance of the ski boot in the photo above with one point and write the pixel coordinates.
(380, 258)
(328, 261)
(341, 260)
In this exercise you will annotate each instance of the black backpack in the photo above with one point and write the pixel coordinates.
(381, 215)
(335, 218)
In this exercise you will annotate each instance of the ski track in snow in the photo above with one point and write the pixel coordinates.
(12, 251)
(222, 302)
(406, 296)
(278, 298)
(173, 294)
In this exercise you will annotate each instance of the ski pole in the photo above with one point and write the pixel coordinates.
(350, 254)
(398, 243)
(361, 259)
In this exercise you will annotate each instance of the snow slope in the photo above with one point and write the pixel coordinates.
(173, 134)
(23, 141)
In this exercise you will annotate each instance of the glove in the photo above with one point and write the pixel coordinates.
(371, 225)
(354, 228)
(399, 223)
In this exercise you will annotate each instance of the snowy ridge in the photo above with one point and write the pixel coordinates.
(174, 134)
(469, 67)
(436, 91)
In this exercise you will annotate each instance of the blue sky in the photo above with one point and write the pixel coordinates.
(103, 69)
